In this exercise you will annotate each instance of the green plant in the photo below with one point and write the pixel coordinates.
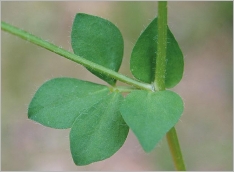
(98, 115)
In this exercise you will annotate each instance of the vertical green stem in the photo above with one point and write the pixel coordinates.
(159, 82)
(174, 146)
(160, 71)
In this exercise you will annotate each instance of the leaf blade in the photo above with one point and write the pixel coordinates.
(57, 102)
(150, 115)
(143, 58)
(98, 134)
(99, 41)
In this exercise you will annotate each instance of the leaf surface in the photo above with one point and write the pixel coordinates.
(143, 57)
(59, 101)
(99, 132)
(151, 115)
(99, 41)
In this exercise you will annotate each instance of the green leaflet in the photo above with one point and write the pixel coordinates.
(151, 115)
(59, 101)
(99, 41)
(143, 57)
(99, 132)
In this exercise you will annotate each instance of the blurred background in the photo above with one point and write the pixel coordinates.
(204, 31)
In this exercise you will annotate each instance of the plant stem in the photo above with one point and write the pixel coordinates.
(51, 47)
(160, 71)
(160, 74)
(174, 146)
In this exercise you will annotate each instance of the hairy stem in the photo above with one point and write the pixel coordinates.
(160, 74)
(51, 47)
(174, 146)
(160, 71)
